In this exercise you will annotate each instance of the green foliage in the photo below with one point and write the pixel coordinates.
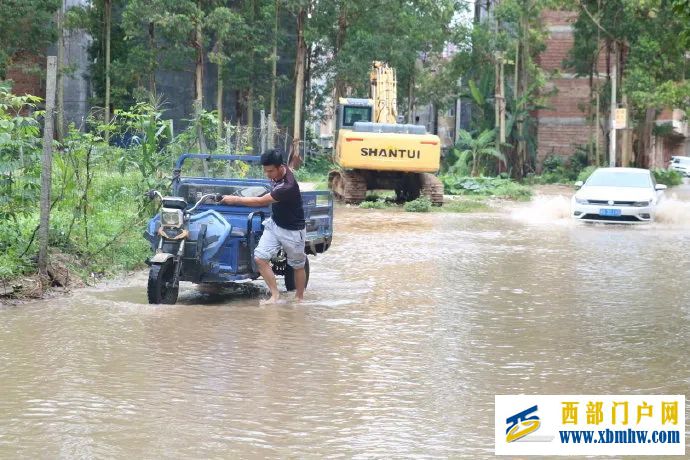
(374, 205)
(20, 151)
(462, 206)
(482, 146)
(667, 177)
(486, 186)
(557, 170)
(586, 172)
(26, 26)
(354, 33)
(421, 204)
(654, 60)
(97, 209)
(315, 168)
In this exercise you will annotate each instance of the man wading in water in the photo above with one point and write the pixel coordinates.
(284, 229)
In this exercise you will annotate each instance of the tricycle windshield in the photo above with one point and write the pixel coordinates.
(221, 169)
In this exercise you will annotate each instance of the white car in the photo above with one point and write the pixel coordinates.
(625, 195)
(680, 164)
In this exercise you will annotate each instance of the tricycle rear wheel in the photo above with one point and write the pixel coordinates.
(290, 276)
(159, 288)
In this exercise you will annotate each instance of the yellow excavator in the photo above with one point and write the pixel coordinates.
(374, 152)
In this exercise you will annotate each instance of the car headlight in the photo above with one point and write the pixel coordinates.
(171, 218)
(641, 204)
(581, 201)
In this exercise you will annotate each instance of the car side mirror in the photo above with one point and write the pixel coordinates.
(660, 187)
(579, 184)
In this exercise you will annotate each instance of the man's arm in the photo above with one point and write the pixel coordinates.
(250, 201)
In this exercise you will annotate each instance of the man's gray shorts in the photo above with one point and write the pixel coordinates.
(275, 237)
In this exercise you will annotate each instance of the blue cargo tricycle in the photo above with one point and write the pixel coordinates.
(197, 240)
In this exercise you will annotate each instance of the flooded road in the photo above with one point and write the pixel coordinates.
(413, 323)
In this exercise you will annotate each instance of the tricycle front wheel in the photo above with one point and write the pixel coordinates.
(290, 276)
(160, 289)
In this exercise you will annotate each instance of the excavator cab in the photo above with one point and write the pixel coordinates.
(351, 110)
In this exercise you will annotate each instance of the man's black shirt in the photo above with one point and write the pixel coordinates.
(288, 212)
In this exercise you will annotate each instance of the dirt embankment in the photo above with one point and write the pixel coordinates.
(62, 276)
(553, 190)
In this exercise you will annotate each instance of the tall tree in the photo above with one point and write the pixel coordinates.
(108, 15)
(651, 62)
(227, 27)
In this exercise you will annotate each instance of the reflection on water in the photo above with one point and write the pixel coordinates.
(413, 323)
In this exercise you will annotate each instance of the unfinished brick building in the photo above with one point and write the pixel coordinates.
(566, 123)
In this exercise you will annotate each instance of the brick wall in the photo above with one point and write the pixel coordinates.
(560, 138)
(27, 72)
(562, 125)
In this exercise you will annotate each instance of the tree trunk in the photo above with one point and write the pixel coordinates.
(199, 88)
(152, 58)
(199, 68)
(339, 43)
(410, 98)
(645, 138)
(60, 119)
(250, 106)
(299, 85)
(219, 100)
(522, 159)
(252, 66)
(108, 4)
(274, 68)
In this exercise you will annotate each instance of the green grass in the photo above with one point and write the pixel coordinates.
(109, 240)
(462, 206)
(374, 205)
(315, 169)
(421, 204)
(486, 186)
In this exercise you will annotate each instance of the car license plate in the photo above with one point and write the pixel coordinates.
(610, 212)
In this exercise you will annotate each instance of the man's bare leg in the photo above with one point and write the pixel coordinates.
(300, 281)
(269, 277)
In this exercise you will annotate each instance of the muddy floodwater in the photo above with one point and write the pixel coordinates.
(413, 322)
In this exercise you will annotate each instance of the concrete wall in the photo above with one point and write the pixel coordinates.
(77, 88)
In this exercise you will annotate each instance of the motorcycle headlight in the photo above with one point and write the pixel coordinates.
(171, 218)
(641, 204)
(581, 201)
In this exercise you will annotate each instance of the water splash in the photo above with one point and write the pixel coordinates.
(545, 210)
(672, 211)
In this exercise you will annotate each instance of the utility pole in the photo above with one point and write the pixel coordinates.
(500, 101)
(614, 81)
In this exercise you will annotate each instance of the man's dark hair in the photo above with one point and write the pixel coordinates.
(272, 158)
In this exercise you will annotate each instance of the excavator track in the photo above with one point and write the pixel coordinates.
(432, 188)
(348, 186)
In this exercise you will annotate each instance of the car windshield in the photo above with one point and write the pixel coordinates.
(681, 160)
(619, 179)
